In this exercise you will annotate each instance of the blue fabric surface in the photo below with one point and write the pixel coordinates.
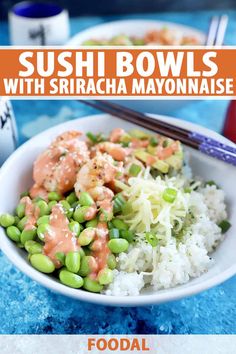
(26, 307)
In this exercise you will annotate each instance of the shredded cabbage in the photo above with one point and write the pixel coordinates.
(149, 211)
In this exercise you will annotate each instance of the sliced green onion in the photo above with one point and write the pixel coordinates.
(152, 239)
(211, 183)
(126, 208)
(134, 170)
(119, 201)
(169, 195)
(153, 141)
(114, 233)
(224, 225)
(128, 235)
(92, 137)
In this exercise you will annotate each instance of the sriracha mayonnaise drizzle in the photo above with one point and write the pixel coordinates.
(31, 212)
(100, 250)
(59, 237)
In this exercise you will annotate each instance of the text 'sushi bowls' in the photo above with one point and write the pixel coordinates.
(117, 215)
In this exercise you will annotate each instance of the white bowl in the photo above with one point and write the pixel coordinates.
(138, 28)
(15, 177)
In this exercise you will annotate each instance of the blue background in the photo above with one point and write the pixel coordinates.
(26, 307)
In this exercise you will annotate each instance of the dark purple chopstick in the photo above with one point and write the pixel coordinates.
(206, 145)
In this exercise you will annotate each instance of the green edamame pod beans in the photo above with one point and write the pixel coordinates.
(92, 285)
(51, 205)
(33, 247)
(81, 252)
(79, 214)
(92, 223)
(87, 264)
(13, 233)
(87, 236)
(20, 210)
(85, 199)
(54, 196)
(75, 227)
(119, 224)
(105, 276)
(43, 208)
(72, 198)
(72, 262)
(41, 230)
(21, 224)
(43, 220)
(67, 208)
(27, 235)
(7, 220)
(42, 263)
(17, 220)
(60, 256)
(118, 245)
(70, 279)
(111, 261)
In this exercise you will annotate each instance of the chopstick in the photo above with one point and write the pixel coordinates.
(217, 29)
(192, 139)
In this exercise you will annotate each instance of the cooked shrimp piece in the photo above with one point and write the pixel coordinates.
(103, 198)
(118, 152)
(37, 191)
(96, 172)
(91, 178)
(116, 134)
(56, 168)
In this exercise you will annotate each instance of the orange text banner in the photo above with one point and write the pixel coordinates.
(115, 72)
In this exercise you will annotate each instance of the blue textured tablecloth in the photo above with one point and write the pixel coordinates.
(26, 307)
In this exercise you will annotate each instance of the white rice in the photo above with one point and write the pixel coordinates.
(175, 262)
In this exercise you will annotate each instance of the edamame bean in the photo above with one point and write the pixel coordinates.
(111, 261)
(92, 285)
(17, 220)
(67, 208)
(75, 227)
(118, 245)
(20, 210)
(21, 224)
(87, 264)
(85, 199)
(33, 247)
(72, 262)
(72, 198)
(43, 220)
(13, 233)
(7, 220)
(81, 252)
(119, 224)
(70, 279)
(60, 256)
(27, 235)
(79, 214)
(41, 230)
(43, 208)
(51, 205)
(42, 263)
(105, 276)
(128, 235)
(92, 223)
(87, 236)
(54, 196)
